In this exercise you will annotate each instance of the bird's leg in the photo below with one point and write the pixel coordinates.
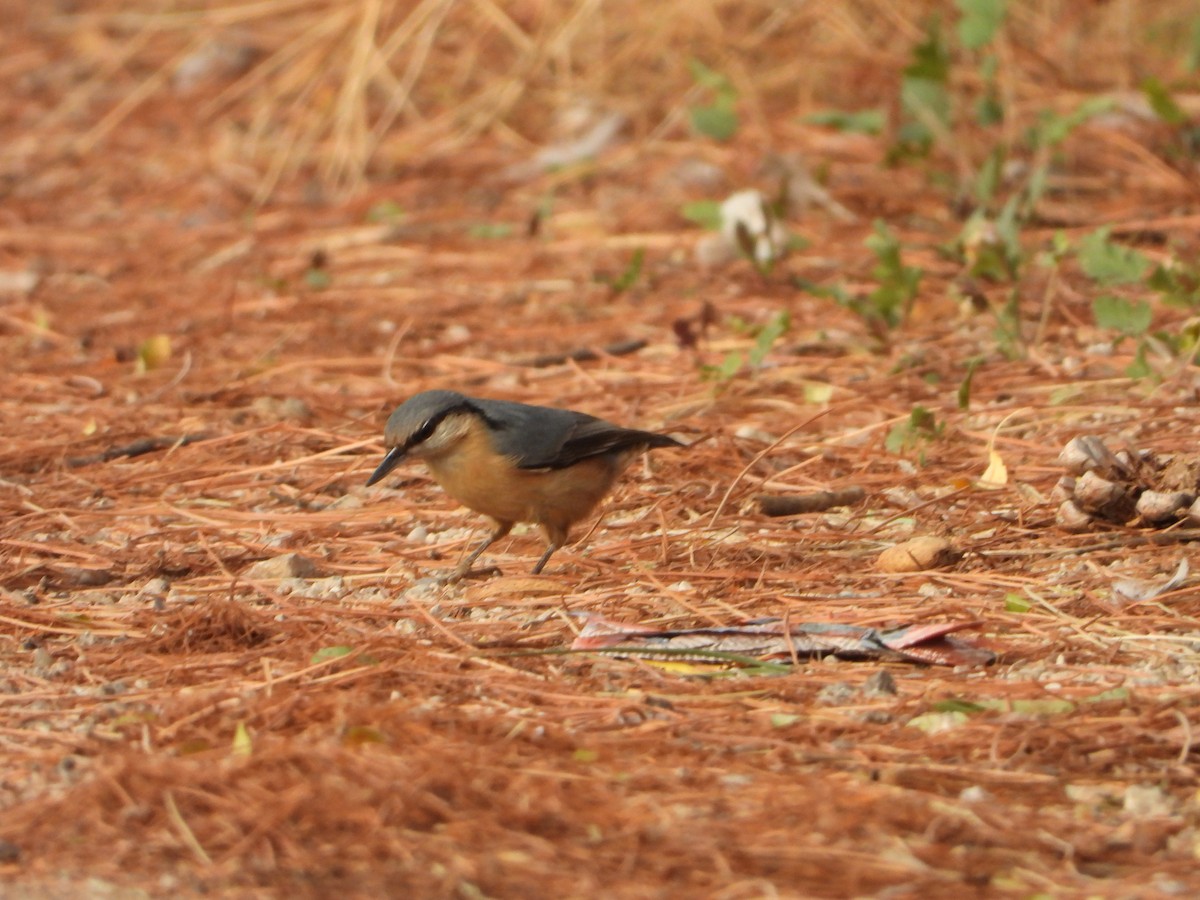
(541, 563)
(556, 536)
(464, 568)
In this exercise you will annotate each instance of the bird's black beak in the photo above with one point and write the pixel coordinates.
(394, 457)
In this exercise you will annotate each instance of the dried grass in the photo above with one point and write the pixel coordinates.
(338, 90)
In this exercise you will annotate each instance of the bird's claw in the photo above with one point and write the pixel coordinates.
(462, 574)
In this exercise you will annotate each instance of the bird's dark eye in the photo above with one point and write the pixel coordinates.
(424, 433)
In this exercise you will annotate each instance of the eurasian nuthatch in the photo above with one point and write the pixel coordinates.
(513, 462)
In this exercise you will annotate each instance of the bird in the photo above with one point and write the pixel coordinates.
(513, 462)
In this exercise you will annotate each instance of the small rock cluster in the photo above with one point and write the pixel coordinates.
(1125, 488)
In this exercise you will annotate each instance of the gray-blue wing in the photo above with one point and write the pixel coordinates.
(538, 437)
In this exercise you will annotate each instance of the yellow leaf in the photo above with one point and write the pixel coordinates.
(937, 722)
(153, 352)
(90, 427)
(996, 473)
(357, 735)
(242, 745)
(817, 393)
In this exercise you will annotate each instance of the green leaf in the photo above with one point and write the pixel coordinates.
(897, 282)
(1178, 285)
(1015, 603)
(1037, 706)
(706, 213)
(719, 121)
(796, 243)
(317, 279)
(989, 175)
(1052, 129)
(924, 420)
(930, 58)
(835, 292)
(1117, 693)
(490, 230)
(898, 438)
(1163, 103)
(954, 704)
(980, 21)
(988, 109)
(585, 755)
(385, 211)
(1109, 263)
(729, 367)
(964, 388)
(1140, 367)
(629, 277)
(1129, 317)
(738, 325)
(920, 427)
(772, 331)
(1039, 177)
(1068, 393)
(924, 97)
(1008, 227)
(328, 653)
(715, 81)
(1008, 325)
(865, 121)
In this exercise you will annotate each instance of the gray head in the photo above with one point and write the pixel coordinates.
(422, 425)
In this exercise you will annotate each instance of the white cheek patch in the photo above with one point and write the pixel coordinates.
(449, 432)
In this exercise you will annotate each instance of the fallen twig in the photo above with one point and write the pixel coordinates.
(584, 354)
(137, 448)
(776, 505)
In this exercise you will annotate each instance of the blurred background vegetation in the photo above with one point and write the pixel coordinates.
(349, 89)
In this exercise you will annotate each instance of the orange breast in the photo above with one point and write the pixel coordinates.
(476, 477)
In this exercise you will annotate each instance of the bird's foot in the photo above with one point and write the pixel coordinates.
(461, 574)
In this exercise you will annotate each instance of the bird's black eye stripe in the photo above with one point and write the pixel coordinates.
(429, 426)
(425, 432)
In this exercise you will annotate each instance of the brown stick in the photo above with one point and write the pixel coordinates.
(137, 448)
(584, 354)
(775, 505)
